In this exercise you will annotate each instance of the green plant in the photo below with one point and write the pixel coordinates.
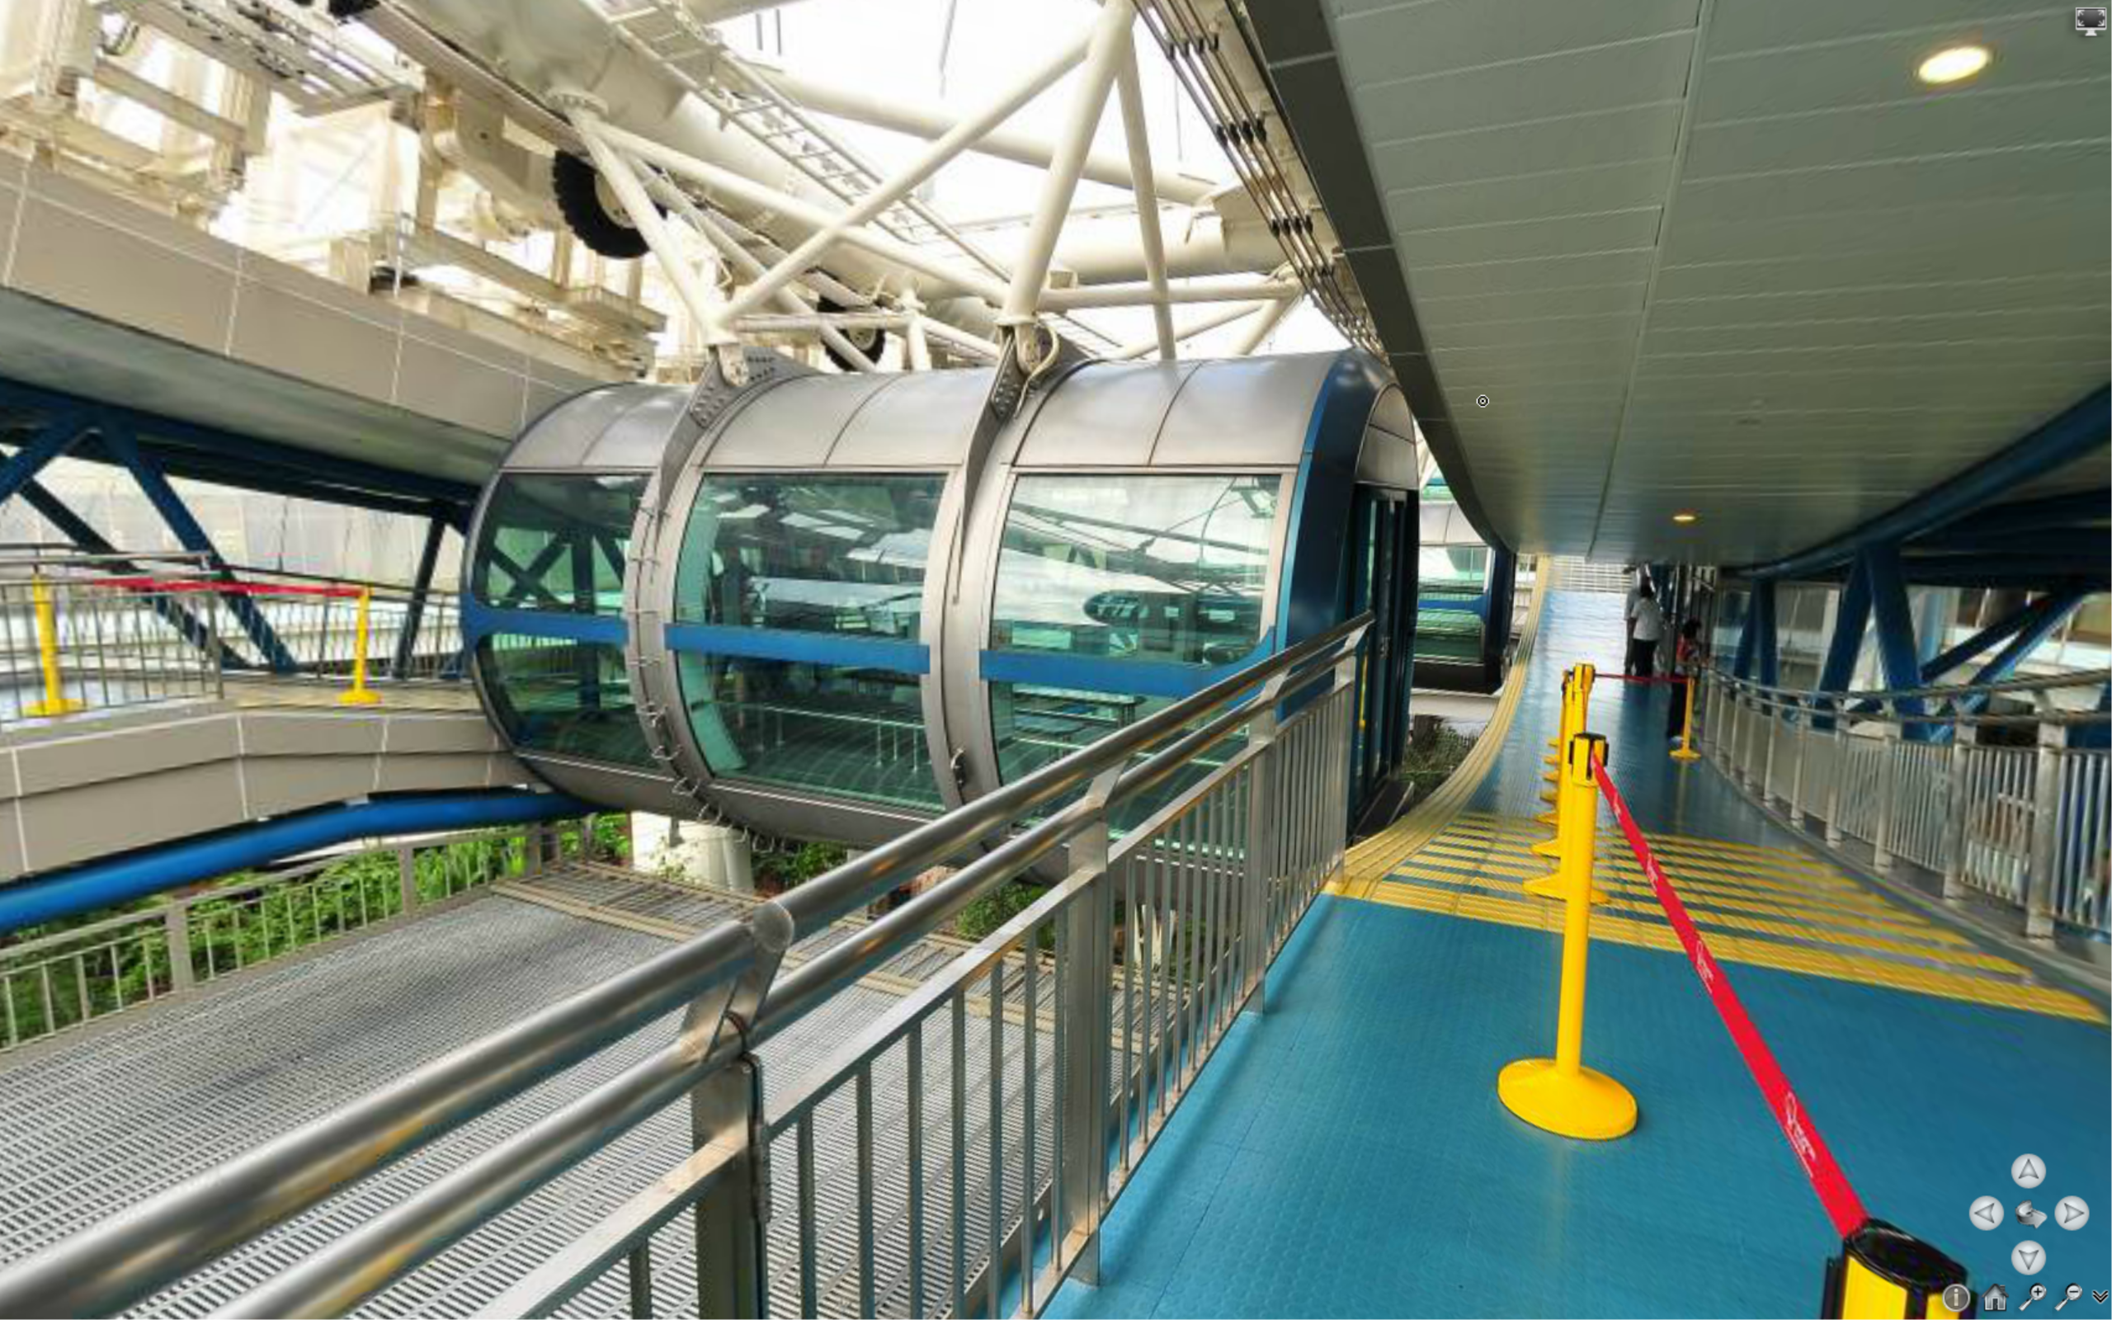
(996, 908)
(780, 871)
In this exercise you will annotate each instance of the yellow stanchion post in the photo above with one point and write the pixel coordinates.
(1887, 1274)
(360, 694)
(55, 702)
(1569, 726)
(1685, 751)
(1561, 1095)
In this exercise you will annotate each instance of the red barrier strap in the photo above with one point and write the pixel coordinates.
(220, 588)
(1843, 1206)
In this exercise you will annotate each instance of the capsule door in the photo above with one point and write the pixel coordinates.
(1380, 572)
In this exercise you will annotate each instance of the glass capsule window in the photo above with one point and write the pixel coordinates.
(1135, 567)
(823, 575)
(557, 542)
(846, 731)
(567, 697)
(841, 553)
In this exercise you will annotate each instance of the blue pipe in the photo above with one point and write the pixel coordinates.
(150, 871)
(2061, 441)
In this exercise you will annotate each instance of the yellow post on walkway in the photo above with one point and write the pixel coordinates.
(1561, 1095)
(1576, 710)
(1685, 751)
(360, 694)
(1566, 728)
(55, 702)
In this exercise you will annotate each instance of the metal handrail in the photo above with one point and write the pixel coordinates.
(2045, 682)
(127, 1259)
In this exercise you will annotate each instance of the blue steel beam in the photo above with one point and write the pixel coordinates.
(178, 443)
(155, 485)
(1850, 620)
(62, 431)
(2000, 630)
(2046, 615)
(84, 537)
(2074, 509)
(2071, 436)
(421, 587)
(1767, 655)
(1893, 619)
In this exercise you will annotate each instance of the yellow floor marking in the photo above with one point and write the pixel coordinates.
(1366, 864)
(1964, 987)
(1717, 920)
(1677, 841)
(1685, 876)
(1695, 852)
(1697, 895)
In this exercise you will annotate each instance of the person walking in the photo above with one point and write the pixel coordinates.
(1636, 582)
(1646, 629)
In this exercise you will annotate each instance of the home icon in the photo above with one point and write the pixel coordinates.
(1994, 1299)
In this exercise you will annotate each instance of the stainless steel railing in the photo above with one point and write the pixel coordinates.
(52, 984)
(102, 632)
(991, 1116)
(2002, 789)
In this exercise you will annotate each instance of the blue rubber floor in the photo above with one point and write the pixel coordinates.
(1346, 1154)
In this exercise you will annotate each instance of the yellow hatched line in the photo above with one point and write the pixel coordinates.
(1689, 842)
(1963, 987)
(1700, 895)
(1367, 863)
(1789, 869)
(1705, 916)
(1685, 876)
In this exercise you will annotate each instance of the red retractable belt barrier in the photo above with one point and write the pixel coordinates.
(1843, 1206)
(220, 588)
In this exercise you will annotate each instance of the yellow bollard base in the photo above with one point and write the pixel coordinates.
(1586, 1104)
(38, 710)
(359, 697)
(1550, 886)
(1682, 754)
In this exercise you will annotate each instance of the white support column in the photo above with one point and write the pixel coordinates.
(1110, 39)
(928, 162)
(1202, 325)
(747, 191)
(700, 298)
(1134, 129)
(917, 349)
(745, 261)
(1263, 326)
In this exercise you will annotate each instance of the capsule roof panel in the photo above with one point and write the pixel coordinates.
(615, 426)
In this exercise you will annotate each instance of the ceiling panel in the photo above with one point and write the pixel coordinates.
(1734, 256)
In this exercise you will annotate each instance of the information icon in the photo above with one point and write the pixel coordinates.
(2028, 1170)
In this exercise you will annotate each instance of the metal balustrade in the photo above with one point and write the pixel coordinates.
(106, 632)
(955, 1156)
(54, 983)
(2012, 804)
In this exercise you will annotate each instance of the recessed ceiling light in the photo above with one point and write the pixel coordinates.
(1953, 65)
(1685, 516)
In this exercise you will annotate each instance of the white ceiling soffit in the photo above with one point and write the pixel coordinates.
(1723, 255)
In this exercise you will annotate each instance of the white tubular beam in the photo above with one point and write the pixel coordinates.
(1263, 326)
(1110, 38)
(1226, 316)
(805, 213)
(931, 123)
(701, 299)
(1129, 89)
(959, 338)
(1136, 295)
(927, 163)
(745, 261)
(915, 347)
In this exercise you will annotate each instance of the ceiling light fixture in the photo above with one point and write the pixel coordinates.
(1955, 64)
(1686, 516)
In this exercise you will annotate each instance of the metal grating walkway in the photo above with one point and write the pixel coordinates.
(102, 1120)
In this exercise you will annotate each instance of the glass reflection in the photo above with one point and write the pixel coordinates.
(847, 732)
(557, 542)
(1152, 567)
(571, 698)
(836, 553)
